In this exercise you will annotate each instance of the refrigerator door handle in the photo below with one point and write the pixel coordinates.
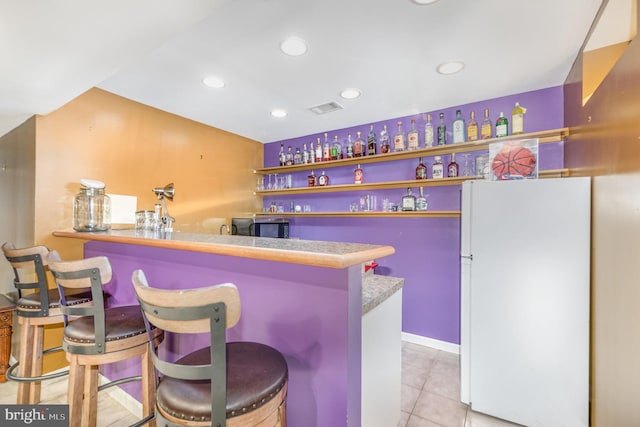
(469, 257)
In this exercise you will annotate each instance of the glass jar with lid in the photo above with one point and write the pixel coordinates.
(91, 207)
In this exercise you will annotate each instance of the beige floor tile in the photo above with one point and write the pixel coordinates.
(408, 398)
(414, 376)
(443, 384)
(439, 409)
(476, 419)
(404, 418)
(415, 421)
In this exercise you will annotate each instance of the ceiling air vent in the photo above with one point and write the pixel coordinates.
(326, 108)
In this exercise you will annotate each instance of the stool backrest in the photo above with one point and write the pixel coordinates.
(210, 309)
(29, 269)
(81, 274)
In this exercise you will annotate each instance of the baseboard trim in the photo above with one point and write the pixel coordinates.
(123, 398)
(430, 342)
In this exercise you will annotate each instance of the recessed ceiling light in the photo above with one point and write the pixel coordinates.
(350, 93)
(451, 67)
(213, 81)
(424, 2)
(293, 46)
(278, 113)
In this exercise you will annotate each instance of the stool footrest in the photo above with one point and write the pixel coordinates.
(12, 377)
(118, 382)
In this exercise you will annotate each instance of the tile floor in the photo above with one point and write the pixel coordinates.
(430, 394)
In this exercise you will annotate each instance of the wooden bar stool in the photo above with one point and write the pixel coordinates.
(99, 336)
(225, 384)
(35, 310)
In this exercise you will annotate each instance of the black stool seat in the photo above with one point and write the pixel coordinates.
(120, 322)
(255, 374)
(33, 301)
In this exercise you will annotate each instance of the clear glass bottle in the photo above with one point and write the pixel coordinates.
(358, 175)
(326, 149)
(305, 154)
(311, 179)
(437, 168)
(442, 131)
(453, 168)
(359, 147)
(398, 139)
(421, 170)
(517, 119)
(428, 132)
(318, 153)
(372, 142)
(472, 128)
(486, 130)
(289, 157)
(458, 128)
(91, 207)
(384, 140)
(409, 201)
(413, 140)
(421, 201)
(281, 156)
(502, 126)
(323, 180)
(297, 157)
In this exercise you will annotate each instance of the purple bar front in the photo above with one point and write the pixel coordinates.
(312, 315)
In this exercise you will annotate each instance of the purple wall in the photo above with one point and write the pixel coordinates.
(427, 249)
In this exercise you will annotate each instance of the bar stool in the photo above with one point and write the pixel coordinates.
(100, 336)
(35, 310)
(224, 384)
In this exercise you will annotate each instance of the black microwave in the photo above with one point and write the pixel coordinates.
(278, 229)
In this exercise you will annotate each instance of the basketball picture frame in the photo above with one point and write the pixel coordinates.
(513, 159)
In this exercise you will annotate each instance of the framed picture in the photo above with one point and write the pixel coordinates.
(514, 159)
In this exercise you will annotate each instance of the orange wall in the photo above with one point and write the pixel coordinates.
(605, 143)
(134, 148)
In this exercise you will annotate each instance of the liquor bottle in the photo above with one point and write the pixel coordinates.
(384, 140)
(453, 168)
(281, 155)
(472, 128)
(421, 170)
(421, 201)
(428, 132)
(437, 168)
(318, 155)
(312, 153)
(442, 131)
(398, 139)
(326, 149)
(517, 119)
(413, 141)
(336, 148)
(359, 147)
(297, 158)
(289, 157)
(305, 154)
(458, 128)
(502, 126)
(409, 201)
(486, 130)
(311, 180)
(358, 175)
(348, 147)
(323, 180)
(372, 142)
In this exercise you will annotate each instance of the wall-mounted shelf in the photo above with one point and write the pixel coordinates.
(376, 214)
(555, 135)
(555, 173)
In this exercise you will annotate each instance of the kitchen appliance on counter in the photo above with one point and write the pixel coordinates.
(525, 256)
(274, 227)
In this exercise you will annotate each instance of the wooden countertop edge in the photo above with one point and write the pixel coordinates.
(315, 259)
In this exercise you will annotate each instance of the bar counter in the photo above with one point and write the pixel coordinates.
(303, 298)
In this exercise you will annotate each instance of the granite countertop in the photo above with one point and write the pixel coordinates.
(307, 252)
(376, 289)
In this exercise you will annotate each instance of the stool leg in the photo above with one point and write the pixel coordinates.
(36, 366)
(76, 390)
(148, 386)
(25, 359)
(90, 403)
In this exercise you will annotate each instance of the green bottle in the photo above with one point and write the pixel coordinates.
(502, 126)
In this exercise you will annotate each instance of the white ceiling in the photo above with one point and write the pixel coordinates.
(158, 51)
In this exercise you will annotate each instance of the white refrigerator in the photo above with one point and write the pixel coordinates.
(525, 256)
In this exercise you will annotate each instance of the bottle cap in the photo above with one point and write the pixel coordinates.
(91, 183)
(437, 158)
